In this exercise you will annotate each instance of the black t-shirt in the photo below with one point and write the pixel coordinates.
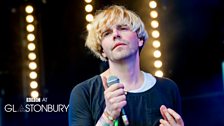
(87, 103)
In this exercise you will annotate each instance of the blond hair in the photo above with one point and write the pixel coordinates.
(108, 17)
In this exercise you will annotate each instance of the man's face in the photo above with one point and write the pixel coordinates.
(119, 42)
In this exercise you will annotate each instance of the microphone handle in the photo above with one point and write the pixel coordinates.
(113, 80)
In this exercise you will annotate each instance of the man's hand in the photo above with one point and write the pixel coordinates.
(115, 99)
(170, 117)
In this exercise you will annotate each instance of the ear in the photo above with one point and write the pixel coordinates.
(140, 42)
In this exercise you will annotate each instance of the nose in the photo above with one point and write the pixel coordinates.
(116, 34)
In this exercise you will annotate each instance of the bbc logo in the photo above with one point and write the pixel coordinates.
(32, 99)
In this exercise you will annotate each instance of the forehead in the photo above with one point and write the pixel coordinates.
(117, 26)
(113, 23)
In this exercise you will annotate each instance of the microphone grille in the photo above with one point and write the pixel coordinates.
(112, 80)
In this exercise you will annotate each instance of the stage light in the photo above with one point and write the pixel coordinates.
(88, 26)
(29, 9)
(34, 94)
(33, 75)
(30, 37)
(159, 73)
(30, 28)
(158, 64)
(154, 14)
(88, 1)
(32, 56)
(156, 44)
(29, 18)
(33, 84)
(31, 61)
(89, 8)
(89, 17)
(31, 46)
(32, 65)
(152, 4)
(155, 34)
(154, 24)
(157, 54)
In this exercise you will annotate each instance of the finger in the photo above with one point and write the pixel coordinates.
(111, 96)
(118, 99)
(170, 118)
(164, 122)
(163, 109)
(113, 91)
(115, 109)
(118, 106)
(115, 87)
(118, 92)
(104, 80)
(176, 116)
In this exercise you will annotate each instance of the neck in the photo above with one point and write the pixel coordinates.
(128, 71)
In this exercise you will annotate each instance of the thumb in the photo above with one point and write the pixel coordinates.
(104, 80)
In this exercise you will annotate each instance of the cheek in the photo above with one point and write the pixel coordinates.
(105, 44)
(103, 50)
(136, 42)
(139, 42)
(134, 38)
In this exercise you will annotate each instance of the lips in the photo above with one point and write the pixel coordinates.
(118, 44)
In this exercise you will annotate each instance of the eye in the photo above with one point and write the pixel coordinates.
(106, 33)
(123, 27)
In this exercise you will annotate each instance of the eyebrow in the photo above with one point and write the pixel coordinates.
(117, 26)
(120, 25)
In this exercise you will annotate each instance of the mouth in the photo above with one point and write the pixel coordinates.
(118, 44)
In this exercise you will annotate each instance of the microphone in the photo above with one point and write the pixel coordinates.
(113, 80)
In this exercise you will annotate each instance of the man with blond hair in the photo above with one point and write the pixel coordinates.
(117, 36)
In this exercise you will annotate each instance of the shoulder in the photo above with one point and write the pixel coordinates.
(86, 91)
(168, 88)
(166, 83)
(87, 85)
(81, 101)
(165, 80)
